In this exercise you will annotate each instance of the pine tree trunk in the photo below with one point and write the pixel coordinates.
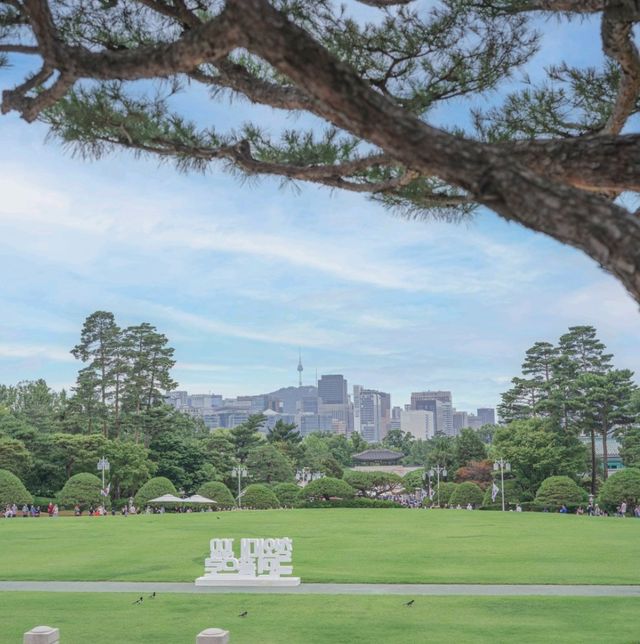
(117, 406)
(605, 452)
(594, 472)
(151, 384)
(103, 385)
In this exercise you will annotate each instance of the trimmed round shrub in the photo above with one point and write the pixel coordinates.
(327, 488)
(81, 489)
(357, 502)
(218, 492)
(446, 490)
(466, 493)
(288, 494)
(12, 490)
(361, 482)
(512, 495)
(153, 488)
(259, 497)
(556, 491)
(621, 486)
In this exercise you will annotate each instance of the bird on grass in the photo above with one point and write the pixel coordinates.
(246, 612)
(138, 601)
(410, 602)
(152, 595)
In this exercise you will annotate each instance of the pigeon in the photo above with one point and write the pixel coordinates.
(152, 595)
(410, 602)
(244, 614)
(138, 601)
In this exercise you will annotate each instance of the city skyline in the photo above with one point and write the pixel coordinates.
(350, 384)
(329, 407)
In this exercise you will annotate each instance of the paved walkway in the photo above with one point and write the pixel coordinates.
(323, 589)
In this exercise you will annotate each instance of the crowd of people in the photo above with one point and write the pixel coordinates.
(11, 511)
(130, 509)
(406, 500)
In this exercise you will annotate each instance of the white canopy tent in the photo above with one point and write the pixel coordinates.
(167, 498)
(196, 498)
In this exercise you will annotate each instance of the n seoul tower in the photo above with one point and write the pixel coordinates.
(300, 369)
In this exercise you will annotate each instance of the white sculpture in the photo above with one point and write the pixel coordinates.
(260, 563)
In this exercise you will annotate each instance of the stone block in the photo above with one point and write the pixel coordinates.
(42, 635)
(213, 636)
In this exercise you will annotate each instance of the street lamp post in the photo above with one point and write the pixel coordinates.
(426, 483)
(438, 470)
(239, 471)
(502, 465)
(103, 465)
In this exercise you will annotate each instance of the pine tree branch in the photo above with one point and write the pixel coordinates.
(208, 42)
(608, 233)
(623, 9)
(531, 182)
(233, 76)
(594, 163)
(343, 175)
(178, 11)
(618, 19)
(384, 3)
(19, 49)
(617, 41)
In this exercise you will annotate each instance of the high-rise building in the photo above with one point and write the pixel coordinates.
(438, 402)
(445, 420)
(341, 413)
(474, 422)
(385, 399)
(395, 418)
(332, 390)
(333, 399)
(460, 420)
(417, 396)
(487, 415)
(418, 422)
(371, 413)
(308, 423)
(357, 406)
(177, 399)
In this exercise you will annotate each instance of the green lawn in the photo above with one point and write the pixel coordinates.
(108, 618)
(340, 545)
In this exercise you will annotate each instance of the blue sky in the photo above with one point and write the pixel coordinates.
(240, 276)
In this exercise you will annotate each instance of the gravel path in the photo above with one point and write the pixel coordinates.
(325, 589)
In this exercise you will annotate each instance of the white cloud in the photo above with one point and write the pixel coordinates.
(604, 303)
(301, 335)
(18, 351)
(200, 366)
(452, 259)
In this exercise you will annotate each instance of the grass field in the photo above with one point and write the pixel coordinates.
(294, 619)
(341, 545)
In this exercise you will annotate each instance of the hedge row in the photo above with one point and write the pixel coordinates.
(358, 502)
(84, 489)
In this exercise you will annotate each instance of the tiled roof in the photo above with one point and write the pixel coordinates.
(378, 455)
